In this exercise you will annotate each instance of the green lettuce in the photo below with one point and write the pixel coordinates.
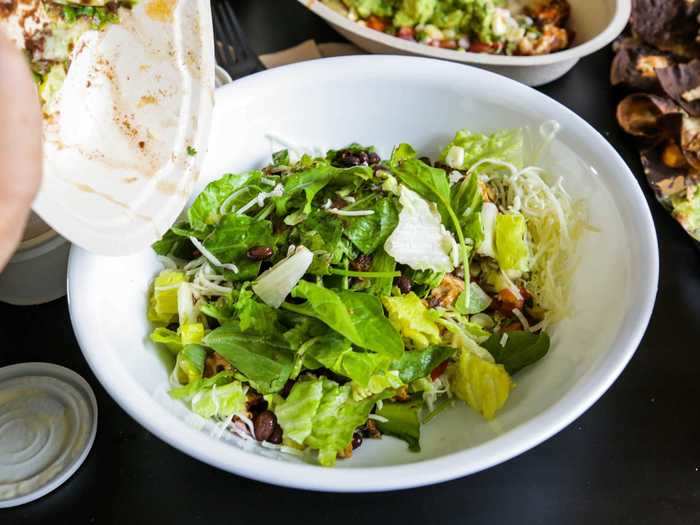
(163, 302)
(416, 364)
(220, 401)
(402, 422)
(296, 413)
(521, 349)
(335, 353)
(369, 232)
(189, 364)
(205, 211)
(357, 316)
(505, 145)
(484, 386)
(168, 338)
(254, 315)
(233, 237)
(411, 317)
(265, 359)
(335, 421)
(512, 252)
(472, 302)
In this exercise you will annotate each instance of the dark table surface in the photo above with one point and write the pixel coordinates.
(634, 457)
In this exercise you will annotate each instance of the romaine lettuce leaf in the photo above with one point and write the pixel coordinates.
(233, 237)
(420, 240)
(504, 145)
(255, 316)
(484, 386)
(335, 421)
(356, 315)
(163, 305)
(512, 252)
(412, 319)
(402, 422)
(189, 364)
(474, 302)
(220, 401)
(296, 413)
(371, 231)
(168, 338)
(520, 350)
(334, 352)
(384, 263)
(205, 211)
(191, 333)
(416, 364)
(265, 359)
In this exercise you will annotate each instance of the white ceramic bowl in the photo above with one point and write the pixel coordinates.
(383, 101)
(595, 22)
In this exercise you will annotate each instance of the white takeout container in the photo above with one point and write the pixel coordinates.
(382, 101)
(595, 23)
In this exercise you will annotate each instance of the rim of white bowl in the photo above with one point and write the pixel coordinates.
(588, 389)
(623, 9)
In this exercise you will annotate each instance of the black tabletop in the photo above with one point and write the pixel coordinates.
(634, 457)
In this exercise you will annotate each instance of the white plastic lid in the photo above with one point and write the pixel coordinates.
(124, 151)
(48, 420)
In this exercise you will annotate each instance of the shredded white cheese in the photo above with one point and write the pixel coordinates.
(277, 191)
(504, 339)
(523, 321)
(350, 213)
(377, 417)
(211, 257)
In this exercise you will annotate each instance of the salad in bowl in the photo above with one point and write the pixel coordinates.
(327, 299)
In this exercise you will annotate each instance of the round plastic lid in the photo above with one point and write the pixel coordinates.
(48, 420)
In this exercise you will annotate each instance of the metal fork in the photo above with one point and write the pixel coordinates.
(232, 49)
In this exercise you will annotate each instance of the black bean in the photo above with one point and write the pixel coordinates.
(256, 403)
(426, 160)
(264, 424)
(362, 264)
(364, 158)
(356, 440)
(276, 436)
(373, 158)
(404, 284)
(348, 158)
(259, 253)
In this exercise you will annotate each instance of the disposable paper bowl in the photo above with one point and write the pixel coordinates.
(595, 23)
(384, 101)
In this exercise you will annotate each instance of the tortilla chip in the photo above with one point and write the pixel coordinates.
(670, 25)
(682, 83)
(635, 66)
(641, 115)
(667, 180)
